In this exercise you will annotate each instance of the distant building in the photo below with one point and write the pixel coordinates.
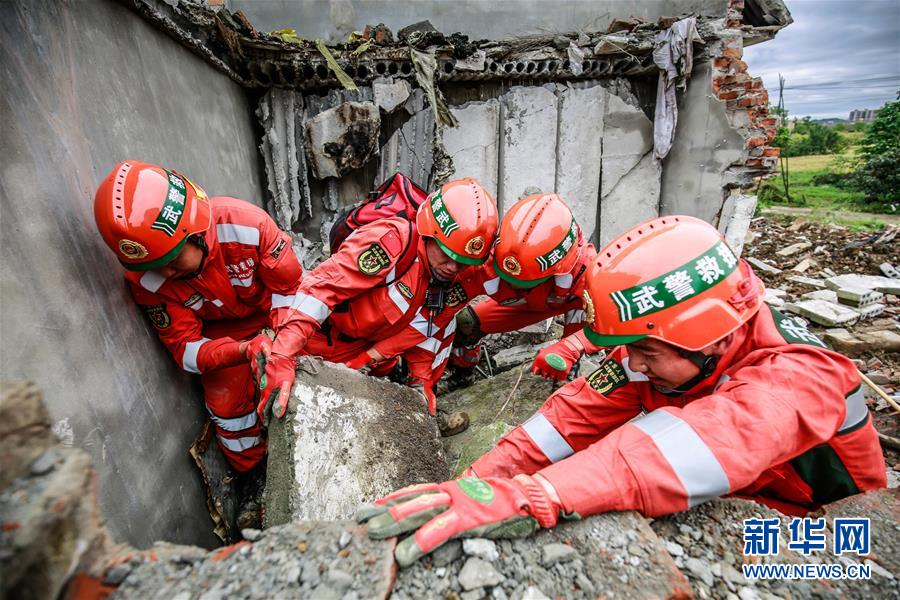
(867, 115)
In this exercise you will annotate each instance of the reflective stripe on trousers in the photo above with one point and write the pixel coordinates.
(235, 423)
(239, 444)
(692, 461)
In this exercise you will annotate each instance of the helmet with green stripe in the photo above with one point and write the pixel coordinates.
(538, 239)
(673, 279)
(462, 218)
(146, 213)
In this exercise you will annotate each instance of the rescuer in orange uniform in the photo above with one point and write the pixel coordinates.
(376, 285)
(210, 273)
(708, 392)
(536, 270)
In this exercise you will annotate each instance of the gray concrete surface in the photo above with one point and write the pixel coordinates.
(333, 20)
(84, 85)
(706, 144)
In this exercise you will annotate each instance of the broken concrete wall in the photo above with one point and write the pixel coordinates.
(347, 439)
(85, 85)
(333, 20)
(590, 141)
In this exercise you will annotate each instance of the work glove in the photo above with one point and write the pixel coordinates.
(275, 387)
(426, 388)
(257, 352)
(469, 507)
(360, 361)
(556, 360)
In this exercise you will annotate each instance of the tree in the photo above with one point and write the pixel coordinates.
(879, 174)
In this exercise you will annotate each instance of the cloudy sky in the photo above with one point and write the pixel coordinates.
(836, 56)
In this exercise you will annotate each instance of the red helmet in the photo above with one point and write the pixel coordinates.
(538, 239)
(146, 213)
(673, 279)
(462, 218)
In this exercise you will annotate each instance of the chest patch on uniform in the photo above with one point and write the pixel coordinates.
(608, 377)
(391, 242)
(794, 331)
(404, 289)
(456, 295)
(373, 260)
(279, 247)
(158, 315)
(194, 299)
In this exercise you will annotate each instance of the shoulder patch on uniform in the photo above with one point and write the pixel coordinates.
(158, 314)
(373, 259)
(456, 295)
(794, 331)
(404, 289)
(391, 242)
(608, 377)
(279, 247)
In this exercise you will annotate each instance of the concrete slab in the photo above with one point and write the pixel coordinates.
(527, 143)
(627, 137)
(885, 285)
(735, 220)
(347, 439)
(579, 152)
(794, 249)
(633, 200)
(823, 312)
(857, 296)
(808, 281)
(409, 149)
(342, 138)
(762, 265)
(390, 93)
(697, 169)
(475, 144)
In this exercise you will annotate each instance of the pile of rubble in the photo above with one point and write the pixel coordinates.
(845, 283)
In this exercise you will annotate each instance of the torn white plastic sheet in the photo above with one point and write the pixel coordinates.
(674, 56)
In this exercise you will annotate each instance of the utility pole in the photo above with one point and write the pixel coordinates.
(785, 174)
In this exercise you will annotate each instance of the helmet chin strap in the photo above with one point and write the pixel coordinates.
(200, 241)
(707, 364)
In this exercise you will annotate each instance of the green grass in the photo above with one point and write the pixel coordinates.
(825, 203)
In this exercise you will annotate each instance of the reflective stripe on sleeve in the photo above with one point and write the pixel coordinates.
(239, 444)
(856, 410)
(441, 357)
(191, 349)
(152, 281)
(242, 234)
(693, 462)
(236, 423)
(491, 286)
(547, 438)
(308, 305)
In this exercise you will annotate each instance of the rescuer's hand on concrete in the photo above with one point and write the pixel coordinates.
(275, 387)
(257, 352)
(468, 507)
(556, 360)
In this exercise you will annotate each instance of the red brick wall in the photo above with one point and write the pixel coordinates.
(742, 92)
